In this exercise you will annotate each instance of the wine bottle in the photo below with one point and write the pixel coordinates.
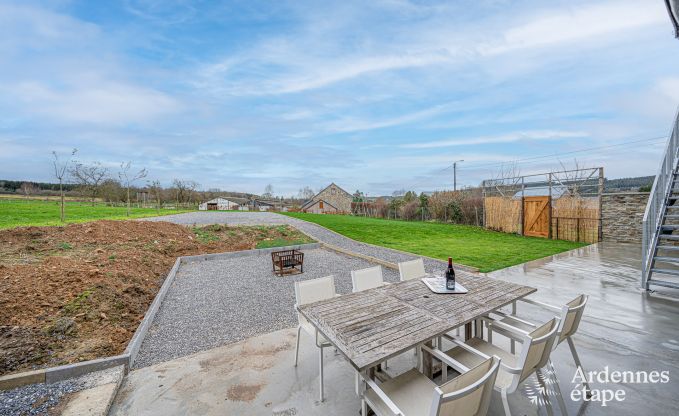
(450, 275)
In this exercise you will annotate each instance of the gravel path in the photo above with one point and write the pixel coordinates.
(37, 399)
(212, 303)
(317, 232)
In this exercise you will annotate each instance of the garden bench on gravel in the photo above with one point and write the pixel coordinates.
(287, 262)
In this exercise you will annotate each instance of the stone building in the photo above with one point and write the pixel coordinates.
(331, 200)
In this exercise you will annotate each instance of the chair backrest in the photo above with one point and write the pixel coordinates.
(571, 314)
(468, 394)
(412, 269)
(535, 352)
(365, 279)
(314, 290)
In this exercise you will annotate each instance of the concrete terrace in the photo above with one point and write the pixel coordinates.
(622, 329)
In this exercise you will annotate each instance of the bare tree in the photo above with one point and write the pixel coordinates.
(268, 192)
(60, 169)
(127, 179)
(27, 188)
(156, 193)
(191, 189)
(181, 190)
(89, 177)
(306, 193)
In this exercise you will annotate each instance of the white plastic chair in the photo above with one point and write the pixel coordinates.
(309, 291)
(369, 278)
(413, 269)
(514, 369)
(412, 393)
(569, 321)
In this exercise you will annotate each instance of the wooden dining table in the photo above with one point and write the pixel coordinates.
(371, 326)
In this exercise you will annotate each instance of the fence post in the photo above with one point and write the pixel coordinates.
(577, 225)
(483, 195)
(549, 202)
(557, 228)
(601, 213)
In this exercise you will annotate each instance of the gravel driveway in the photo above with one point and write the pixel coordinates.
(317, 232)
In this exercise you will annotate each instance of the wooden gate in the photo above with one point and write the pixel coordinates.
(536, 216)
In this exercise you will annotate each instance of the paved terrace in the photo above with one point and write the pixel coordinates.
(622, 329)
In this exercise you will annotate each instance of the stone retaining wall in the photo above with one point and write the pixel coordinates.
(622, 214)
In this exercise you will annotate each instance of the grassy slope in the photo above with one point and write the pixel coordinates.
(473, 246)
(16, 213)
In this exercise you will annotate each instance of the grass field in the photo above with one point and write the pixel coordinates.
(17, 213)
(469, 245)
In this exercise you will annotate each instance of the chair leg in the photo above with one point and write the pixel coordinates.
(559, 396)
(299, 328)
(320, 363)
(444, 373)
(541, 380)
(576, 358)
(512, 346)
(505, 402)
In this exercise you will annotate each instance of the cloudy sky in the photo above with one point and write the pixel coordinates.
(376, 96)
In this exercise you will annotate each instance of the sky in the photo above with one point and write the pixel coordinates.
(377, 96)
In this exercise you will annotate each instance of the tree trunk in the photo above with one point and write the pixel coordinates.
(61, 192)
(128, 201)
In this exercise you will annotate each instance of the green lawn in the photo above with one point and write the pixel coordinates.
(16, 213)
(469, 245)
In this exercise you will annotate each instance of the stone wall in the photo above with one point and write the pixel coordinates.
(622, 214)
(337, 197)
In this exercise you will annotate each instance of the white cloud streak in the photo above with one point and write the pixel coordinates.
(503, 138)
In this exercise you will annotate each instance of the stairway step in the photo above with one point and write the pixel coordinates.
(672, 206)
(672, 216)
(669, 227)
(666, 259)
(665, 271)
(663, 283)
(671, 248)
(669, 237)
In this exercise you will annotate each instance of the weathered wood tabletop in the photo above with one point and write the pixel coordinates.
(371, 326)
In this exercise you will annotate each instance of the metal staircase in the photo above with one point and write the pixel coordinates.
(660, 240)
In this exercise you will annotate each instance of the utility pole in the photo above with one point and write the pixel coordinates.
(455, 174)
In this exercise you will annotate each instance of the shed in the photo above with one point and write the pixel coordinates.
(224, 204)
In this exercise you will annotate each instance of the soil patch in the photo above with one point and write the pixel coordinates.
(75, 293)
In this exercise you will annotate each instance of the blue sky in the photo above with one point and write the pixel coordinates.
(376, 96)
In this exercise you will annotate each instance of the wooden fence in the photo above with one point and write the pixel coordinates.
(576, 219)
(572, 218)
(502, 214)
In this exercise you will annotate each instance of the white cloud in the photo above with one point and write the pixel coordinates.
(579, 23)
(103, 101)
(504, 138)
(302, 62)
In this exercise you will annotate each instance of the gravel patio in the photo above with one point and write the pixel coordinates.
(217, 302)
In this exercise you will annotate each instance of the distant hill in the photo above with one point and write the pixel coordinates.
(643, 183)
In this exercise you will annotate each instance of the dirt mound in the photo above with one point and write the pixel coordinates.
(78, 292)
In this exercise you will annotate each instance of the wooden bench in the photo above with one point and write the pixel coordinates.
(287, 262)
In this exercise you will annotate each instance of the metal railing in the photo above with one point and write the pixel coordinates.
(657, 203)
